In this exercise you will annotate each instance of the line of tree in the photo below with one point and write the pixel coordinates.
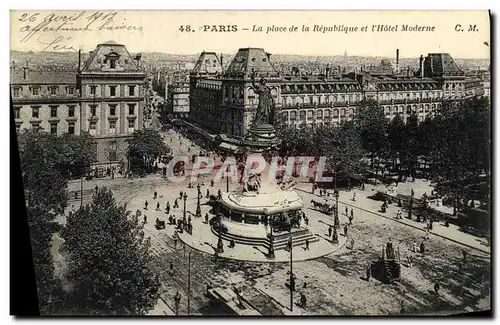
(451, 148)
(144, 148)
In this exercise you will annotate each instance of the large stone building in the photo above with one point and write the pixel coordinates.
(104, 97)
(225, 102)
(177, 95)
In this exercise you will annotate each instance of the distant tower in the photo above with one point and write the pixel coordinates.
(345, 60)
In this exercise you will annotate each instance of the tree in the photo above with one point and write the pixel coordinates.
(44, 184)
(109, 260)
(45, 195)
(372, 125)
(351, 151)
(410, 144)
(77, 154)
(395, 137)
(41, 224)
(143, 148)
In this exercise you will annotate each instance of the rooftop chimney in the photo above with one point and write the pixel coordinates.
(25, 70)
(79, 59)
(421, 66)
(397, 60)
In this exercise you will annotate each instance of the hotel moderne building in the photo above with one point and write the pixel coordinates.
(104, 97)
(223, 102)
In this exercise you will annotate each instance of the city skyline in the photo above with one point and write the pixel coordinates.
(143, 29)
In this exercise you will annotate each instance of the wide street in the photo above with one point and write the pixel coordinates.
(333, 284)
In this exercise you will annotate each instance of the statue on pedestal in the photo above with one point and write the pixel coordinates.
(265, 108)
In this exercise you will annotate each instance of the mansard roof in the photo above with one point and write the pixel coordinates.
(208, 63)
(440, 65)
(99, 59)
(250, 60)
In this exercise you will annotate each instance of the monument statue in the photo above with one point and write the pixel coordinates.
(265, 108)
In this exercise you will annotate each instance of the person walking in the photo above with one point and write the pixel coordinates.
(354, 197)
(436, 288)
(146, 205)
(158, 206)
(330, 231)
(352, 214)
(346, 211)
(307, 245)
(155, 195)
(145, 219)
(345, 230)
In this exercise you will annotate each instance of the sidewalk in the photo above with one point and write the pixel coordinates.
(451, 233)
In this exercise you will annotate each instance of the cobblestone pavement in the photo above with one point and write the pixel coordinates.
(335, 284)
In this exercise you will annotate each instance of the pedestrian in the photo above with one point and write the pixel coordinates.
(96, 189)
(145, 219)
(146, 205)
(171, 268)
(352, 243)
(176, 203)
(346, 211)
(303, 300)
(422, 248)
(410, 261)
(368, 272)
(208, 193)
(350, 220)
(167, 208)
(427, 233)
(352, 214)
(329, 231)
(436, 288)
(180, 195)
(206, 217)
(212, 183)
(157, 206)
(345, 230)
(155, 195)
(415, 247)
(354, 197)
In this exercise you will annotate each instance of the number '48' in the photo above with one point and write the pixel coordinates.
(186, 28)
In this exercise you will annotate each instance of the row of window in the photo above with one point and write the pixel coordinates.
(113, 90)
(35, 90)
(320, 114)
(416, 95)
(71, 127)
(112, 109)
(35, 110)
(300, 100)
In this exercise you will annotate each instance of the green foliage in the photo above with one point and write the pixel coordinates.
(48, 287)
(77, 154)
(109, 261)
(143, 148)
(44, 183)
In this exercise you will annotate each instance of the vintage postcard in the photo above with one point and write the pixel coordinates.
(255, 163)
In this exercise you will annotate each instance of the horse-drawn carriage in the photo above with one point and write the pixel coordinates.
(323, 205)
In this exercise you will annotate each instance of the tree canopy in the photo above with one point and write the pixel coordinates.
(143, 148)
(109, 260)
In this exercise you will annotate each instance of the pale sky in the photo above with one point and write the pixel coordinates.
(158, 31)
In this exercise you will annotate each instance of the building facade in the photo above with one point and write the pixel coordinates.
(225, 102)
(104, 97)
(178, 99)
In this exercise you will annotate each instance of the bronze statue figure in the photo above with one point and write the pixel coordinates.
(265, 108)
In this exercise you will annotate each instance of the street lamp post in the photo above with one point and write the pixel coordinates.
(189, 284)
(184, 214)
(198, 208)
(220, 244)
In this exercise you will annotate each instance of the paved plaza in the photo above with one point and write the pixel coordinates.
(331, 276)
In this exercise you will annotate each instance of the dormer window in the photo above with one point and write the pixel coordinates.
(112, 58)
